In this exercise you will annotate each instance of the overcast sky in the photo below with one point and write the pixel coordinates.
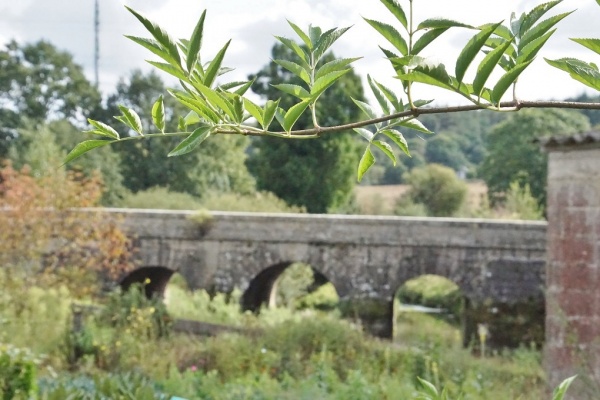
(68, 24)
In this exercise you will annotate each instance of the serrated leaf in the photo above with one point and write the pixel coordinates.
(334, 65)
(435, 23)
(415, 125)
(294, 90)
(535, 14)
(290, 44)
(387, 150)
(292, 115)
(84, 147)
(515, 24)
(366, 161)
(398, 139)
(325, 81)
(269, 112)
(215, 66)
(487, 65)
(193, 48)
(315, 34)
(396, 9)
(429, 73)
(587, 74)
(560, 391)
(197, 105)
(506, 80)
(501, 31)
(367, 134)
(158, 114)
(472, 48)
(294, 68)
(592, 44)
(160, 35)
(530, 51)
(102, 129)
(365, 108)
(169, 69)
(391, 96)
(188, 144)
(216, 99)
(426, 39)
(301, 34)
(154, 47)
(280, 116)
(326, 40)
(381, 98)
(255, 111)
(131, 119)
(390, 34)
(540, 29)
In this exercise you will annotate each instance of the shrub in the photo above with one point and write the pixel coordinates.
(437, 188)
(519, 203)
(18, 369)
(161, 198)
(254, 202)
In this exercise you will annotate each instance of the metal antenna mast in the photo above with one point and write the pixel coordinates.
(96, 40)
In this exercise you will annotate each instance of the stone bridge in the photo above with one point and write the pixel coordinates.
(498, 265)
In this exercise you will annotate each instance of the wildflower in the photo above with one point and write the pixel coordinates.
(193, 368)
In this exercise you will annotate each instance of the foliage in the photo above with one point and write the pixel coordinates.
(161, 198)
(520, 204)
(326, 166)
(432, 291)
(437, 188)
(259, 201)
(514, 157)
(17, 372)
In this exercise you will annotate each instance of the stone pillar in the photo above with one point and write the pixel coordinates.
(573, 264)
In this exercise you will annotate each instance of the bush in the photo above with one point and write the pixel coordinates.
(437, 188)
(432, 291)
(18, 369)
(161, 198)
(255, 202)
(520, 203)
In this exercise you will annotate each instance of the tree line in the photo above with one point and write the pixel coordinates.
(46, 98)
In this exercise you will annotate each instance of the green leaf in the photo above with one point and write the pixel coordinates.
(592, 44)
(292, 115)
(84, 147)
(295, 69)
(530, 51)
(160, 35)
(429, 388)
(365, 108)
(158, 114)
(102, 129)
(131, 119)
(269, 112)
(381, 98)
(397, 11)
(398, 139)
(188, 144)
(154, 47)
(414, 124)
(367, 134)
(391, 96)
(294, 90)
(334, 65)
(390, 34)
(215, 66)
(215, 99)
(487, 65)
(436, 23)
(506, 80)
(301, 35)
(501, 31)
(197, 105)
(169, 69)
(255, 111)
(560, 391)
(325, 81)
(467, 55)
(366, 161)
(387, 150)
(290, 44)
(190, 119)
(193, 49)
(428, 73)
(540, 29)
(326, 40)
(315, 34)
(426, 39)
(587, 74)
(534, 15)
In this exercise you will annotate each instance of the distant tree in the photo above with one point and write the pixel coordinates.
(513, 156)
(217, 165)
(442, 149)
(39, 82)
(317, 174)
(436, 187)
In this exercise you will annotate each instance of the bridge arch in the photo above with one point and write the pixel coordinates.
(262, 288)
(154, 279)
